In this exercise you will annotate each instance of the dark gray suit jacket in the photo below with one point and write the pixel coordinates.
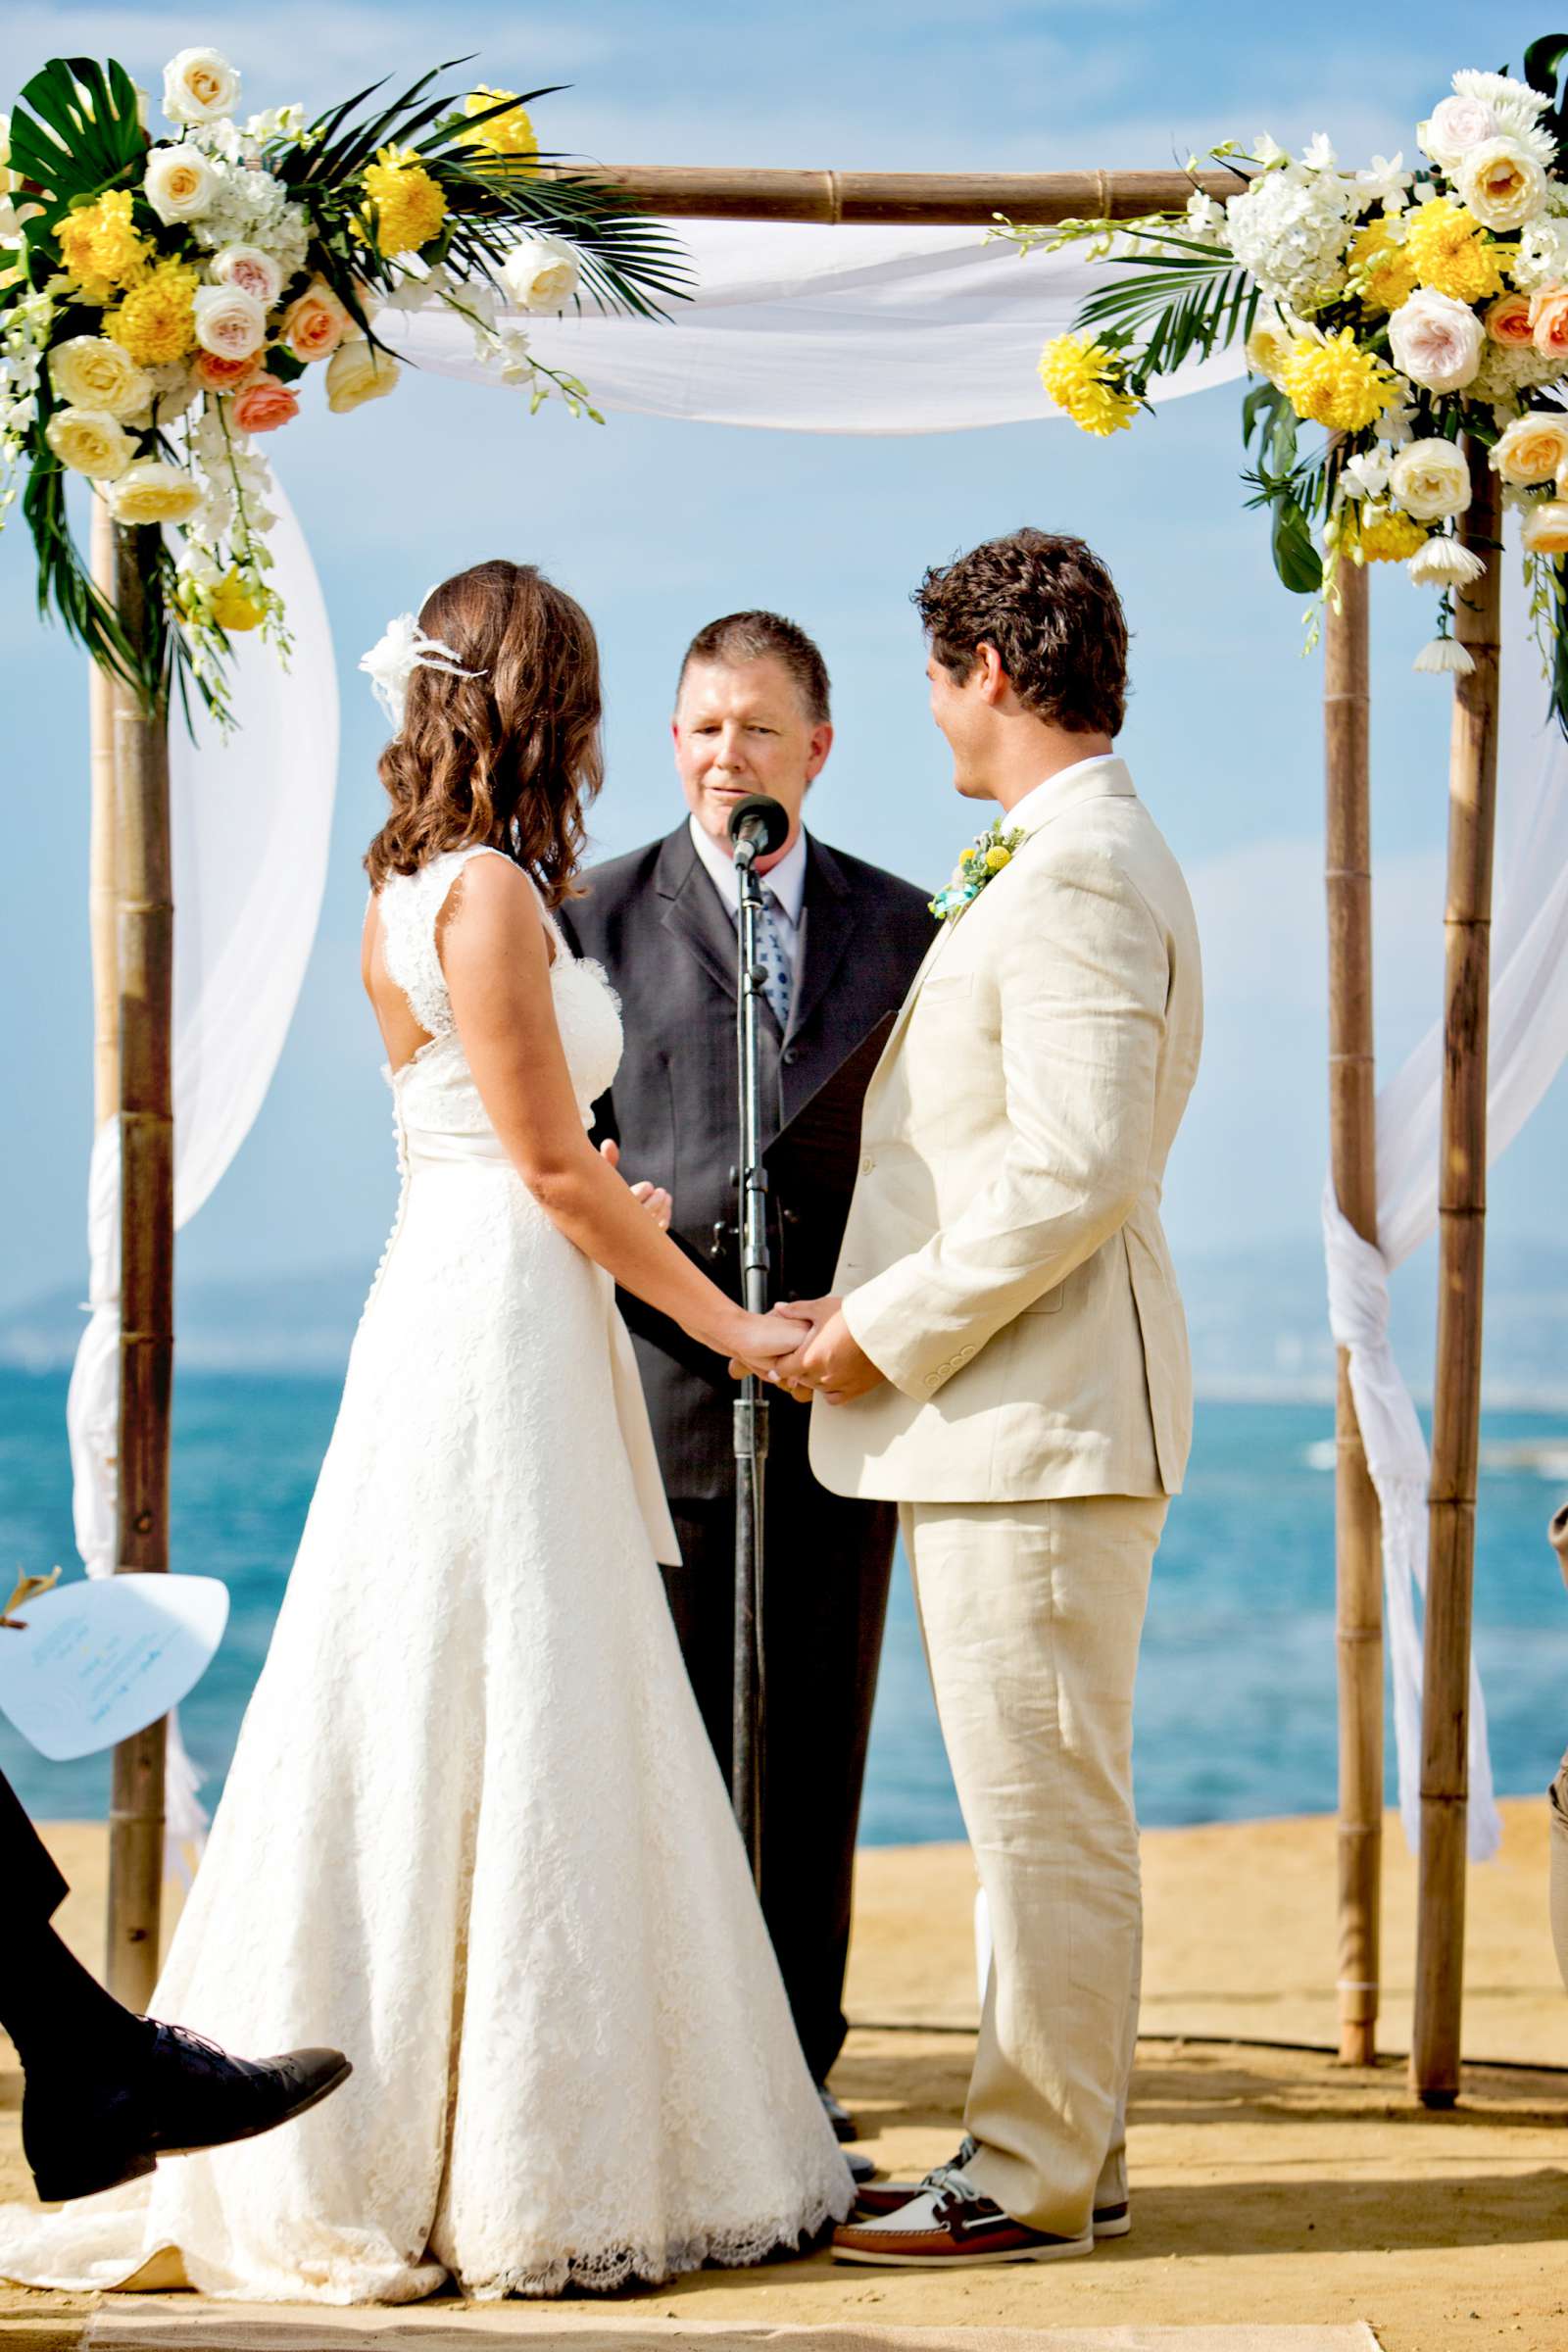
(657, 923)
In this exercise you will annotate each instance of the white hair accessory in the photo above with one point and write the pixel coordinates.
(402, 649)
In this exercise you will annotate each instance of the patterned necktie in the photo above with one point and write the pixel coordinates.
(775, 964)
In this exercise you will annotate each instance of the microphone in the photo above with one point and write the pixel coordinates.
(758, 828)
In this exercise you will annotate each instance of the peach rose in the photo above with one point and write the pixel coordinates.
(214, 374)
(1509, 319)
(315, 324)
(263, 406)
(1549, 321)
(1533, 449)
(1545, 527)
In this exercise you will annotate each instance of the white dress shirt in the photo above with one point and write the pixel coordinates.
(786, 881)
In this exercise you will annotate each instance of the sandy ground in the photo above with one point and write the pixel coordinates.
(1290, 2189)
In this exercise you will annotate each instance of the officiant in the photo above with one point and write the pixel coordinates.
(840, 941)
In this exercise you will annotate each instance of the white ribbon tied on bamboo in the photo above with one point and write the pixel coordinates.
(251, 819)
(1529, 1042)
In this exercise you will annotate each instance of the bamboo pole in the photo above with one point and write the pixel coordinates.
(1456, 1412)
(903, 199)
(103, 907)
(146, 1278)
(1353, 1139)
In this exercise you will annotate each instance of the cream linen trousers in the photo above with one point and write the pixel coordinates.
(1030, 1614)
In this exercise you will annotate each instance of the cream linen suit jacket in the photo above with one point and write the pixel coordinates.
(1004, 1262)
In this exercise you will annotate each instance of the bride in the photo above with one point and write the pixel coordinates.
(474, 1833)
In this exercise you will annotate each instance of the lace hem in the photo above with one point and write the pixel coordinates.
(623, 2266)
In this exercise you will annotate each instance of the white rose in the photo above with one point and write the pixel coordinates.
(199, 86)
(151, 491)
(253, 271)
(1429, 479)
(1503, 185)
(540, 273)
(180, 182)
(1436, 340)
(89, 441)
(1455, 127)
(88, 371)
(357, 373)
(229, 323)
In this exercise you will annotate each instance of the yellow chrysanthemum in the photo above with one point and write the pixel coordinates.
(511, 135)
(1381, 267)
(99, 246)
(408, 206)
(1450, 252)
(1084, 379)
(1335, 382)
(1379, 535)
(156, 322)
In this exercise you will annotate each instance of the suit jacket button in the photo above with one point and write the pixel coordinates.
(792, 1054)
(868, 1164)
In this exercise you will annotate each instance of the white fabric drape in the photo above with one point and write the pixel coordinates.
(820, 331)
(1529, 1042)
(251, 819)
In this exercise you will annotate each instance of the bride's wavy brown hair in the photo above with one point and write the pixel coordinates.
(509, 758)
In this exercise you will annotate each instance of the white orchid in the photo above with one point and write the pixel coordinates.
(1319, 155)
(1386, 181)
(1369, 470)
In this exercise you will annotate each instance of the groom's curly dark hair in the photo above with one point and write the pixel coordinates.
(1049, 606)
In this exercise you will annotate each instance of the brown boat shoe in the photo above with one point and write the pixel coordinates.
(952, 2226)
(888, 2196)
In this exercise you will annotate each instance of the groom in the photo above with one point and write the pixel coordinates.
(1006, 1358)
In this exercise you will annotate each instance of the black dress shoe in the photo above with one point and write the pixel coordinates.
(842, 2120)
(81, 2134)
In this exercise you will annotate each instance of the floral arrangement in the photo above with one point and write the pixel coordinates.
(162, 301)
(985, 859)
(1400, 310)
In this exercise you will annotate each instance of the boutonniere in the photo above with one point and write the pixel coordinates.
(985, 859)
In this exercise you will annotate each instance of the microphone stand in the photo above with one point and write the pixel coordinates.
(751, 1406)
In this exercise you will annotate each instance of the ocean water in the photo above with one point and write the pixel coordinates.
(1236, 1702)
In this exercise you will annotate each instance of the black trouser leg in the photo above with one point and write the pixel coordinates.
(55, 2012)
(828, 1564)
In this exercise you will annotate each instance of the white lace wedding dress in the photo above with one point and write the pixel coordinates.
(473, 1834)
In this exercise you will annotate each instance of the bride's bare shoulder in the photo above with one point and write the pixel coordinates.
(493, 904)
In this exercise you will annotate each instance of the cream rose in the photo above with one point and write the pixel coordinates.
(229, 323)
(253, 271)
(1268, 347)
(89, 441)
(1429, 479)
(1436, 340)
(1455, 127)
(1502, 184)
(199, 86)
(151, 491)
(180, 182)
(315, 324)
(88, 371)
(357, 373)
(540, 273)
(1532, 448)
(1544, 530)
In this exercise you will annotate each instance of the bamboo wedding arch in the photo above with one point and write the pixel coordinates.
(132, 932)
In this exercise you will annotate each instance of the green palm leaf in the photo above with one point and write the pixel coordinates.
(76, 130)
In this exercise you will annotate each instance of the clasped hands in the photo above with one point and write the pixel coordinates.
(805, 1348)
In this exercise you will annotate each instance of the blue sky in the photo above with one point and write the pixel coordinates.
(659, 526)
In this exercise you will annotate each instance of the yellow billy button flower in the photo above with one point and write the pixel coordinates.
(100, 248)
(511, 135)
(997, 859)
(405, 208)
(156, 322)
(1335, 382)
(1381, 267)
(1450, 251)
(1086, 381)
